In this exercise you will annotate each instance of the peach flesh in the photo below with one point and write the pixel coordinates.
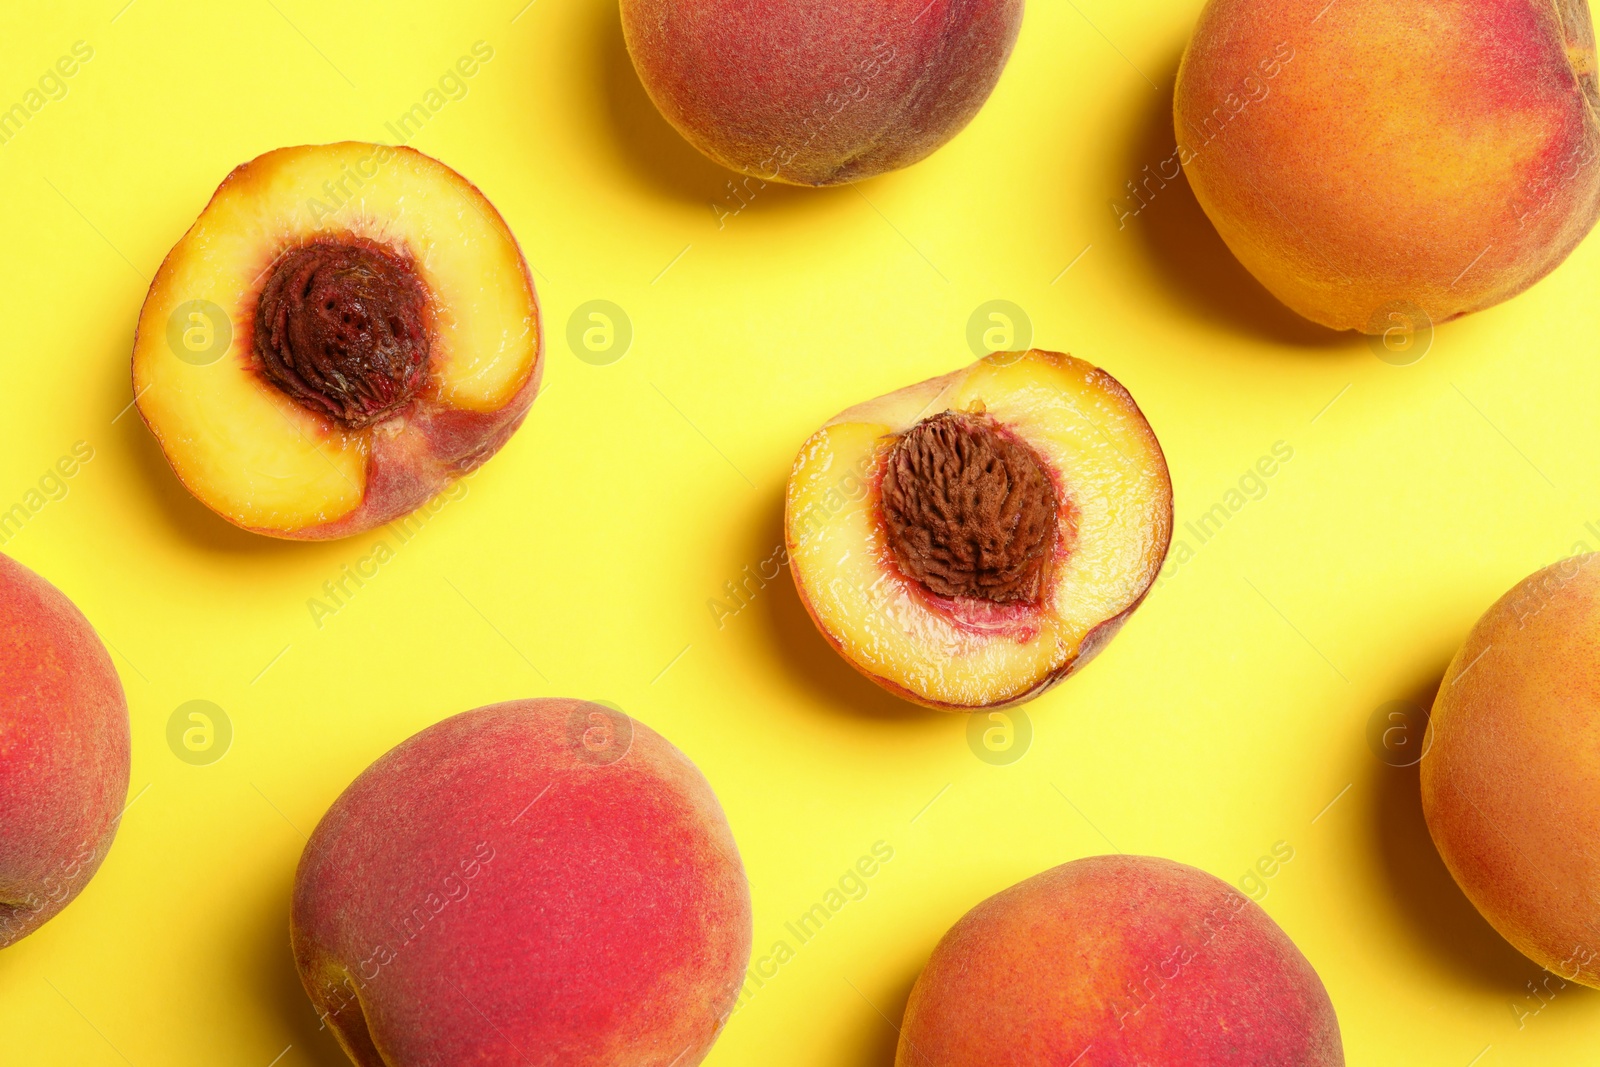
(1511, 767)
(818, 94)
(1113, 961)
(1366, 192)
(541, 882)
(64, 750)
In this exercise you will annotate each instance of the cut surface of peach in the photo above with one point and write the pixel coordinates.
(344, 330)
(913, 533)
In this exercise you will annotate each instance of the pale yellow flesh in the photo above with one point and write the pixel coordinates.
(238, 443)
(1115, 477)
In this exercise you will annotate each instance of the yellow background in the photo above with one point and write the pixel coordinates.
(1227, 717)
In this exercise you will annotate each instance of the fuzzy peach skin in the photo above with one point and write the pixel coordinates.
(1117, 961)
(1511, 767)
(63, 751)
(814, 93)
(535, 883)
(1356, 155)
(269, 463)
(1115, 523)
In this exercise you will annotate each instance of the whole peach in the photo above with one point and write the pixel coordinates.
(1113, 961)
(814, 93)
(1380, 164)
(1511, 767)
(63, 751)
(538, 883)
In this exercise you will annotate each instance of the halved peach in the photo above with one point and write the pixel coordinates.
(971, 541)
(344, 331)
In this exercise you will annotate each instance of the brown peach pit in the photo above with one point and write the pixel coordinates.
(970, 510)
(342, 328)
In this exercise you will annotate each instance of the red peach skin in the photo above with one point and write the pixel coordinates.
(809, 93)
(407, 470)
(1116, 961)
(496, 890)
(63, 751)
